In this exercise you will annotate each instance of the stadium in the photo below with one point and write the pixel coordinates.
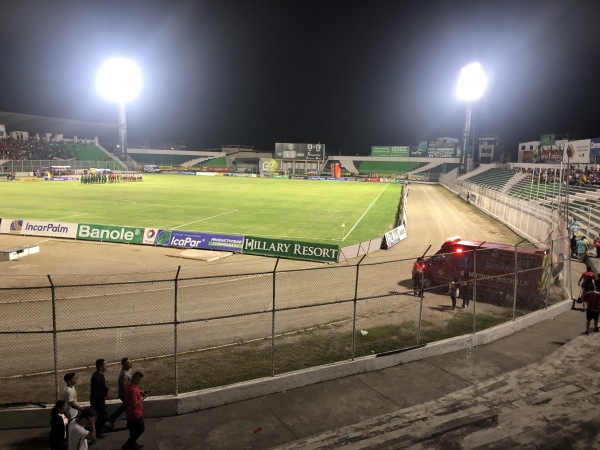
(269, 257)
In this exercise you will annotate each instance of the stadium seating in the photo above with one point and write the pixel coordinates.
(493, 178)
(163, 159)
(220, 162)
(387, 167)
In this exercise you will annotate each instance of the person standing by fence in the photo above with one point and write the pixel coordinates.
(453, 292)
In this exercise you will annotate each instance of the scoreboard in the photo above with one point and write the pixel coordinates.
(304, 152)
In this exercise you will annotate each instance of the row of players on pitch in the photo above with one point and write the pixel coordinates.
(100, 178)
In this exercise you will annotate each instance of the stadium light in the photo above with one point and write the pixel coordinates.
(471, 86)
(119, 80)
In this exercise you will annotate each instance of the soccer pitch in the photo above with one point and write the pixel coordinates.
(317, 211)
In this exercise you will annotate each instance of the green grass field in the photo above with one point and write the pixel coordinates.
(293, 209)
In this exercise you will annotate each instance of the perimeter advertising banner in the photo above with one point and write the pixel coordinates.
(39, 228)
(110, 233)
(205, 241)
(291, 249)
(394, 236)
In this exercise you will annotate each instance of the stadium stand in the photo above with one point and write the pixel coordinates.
(220, 162)
(496, 179)
(165, 159)
(388, 167)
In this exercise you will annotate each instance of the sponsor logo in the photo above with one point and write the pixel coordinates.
(128, 235)
(269, 164)
(16, 226)
(291, 249)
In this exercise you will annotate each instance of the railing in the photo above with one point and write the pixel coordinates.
(191, 334)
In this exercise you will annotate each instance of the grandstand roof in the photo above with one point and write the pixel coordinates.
(68, 127)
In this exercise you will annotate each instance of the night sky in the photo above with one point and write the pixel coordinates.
(350, 74)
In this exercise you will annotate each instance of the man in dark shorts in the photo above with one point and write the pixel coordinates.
(591, 300)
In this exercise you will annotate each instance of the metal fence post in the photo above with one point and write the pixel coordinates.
(354, 313)
(273, 322)
(54, 336)
(474, 290)
(175, 331)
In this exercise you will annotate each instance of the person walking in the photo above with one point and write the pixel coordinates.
(124, 379)
(78, 434)
(597, 246)
(70, 395)
(58, 426)
(581, 249)
(453, 292)
(98, 396)
(466, 290)
(591, 300)
(134, 411)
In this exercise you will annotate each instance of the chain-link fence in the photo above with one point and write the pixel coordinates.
(190, 334)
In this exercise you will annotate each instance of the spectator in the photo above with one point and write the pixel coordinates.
(124, 379)
(581, 249)
(466, 290)
(453, 292)
(417, 276)
(597, 246)
(98, 396)
(78, 435)
(592, 309)
(134, 411)
(58, 426)
(70, 395)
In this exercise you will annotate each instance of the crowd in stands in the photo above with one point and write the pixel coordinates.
(578, 175)
(33, 149)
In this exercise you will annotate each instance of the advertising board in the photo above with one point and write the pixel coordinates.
(441, 152)
(39, 228)
(110, 233)
(401, 151)
(206, 241)
(394, 236)
(594, 147)
(310, 251)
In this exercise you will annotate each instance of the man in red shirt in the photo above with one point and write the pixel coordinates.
(592, 309)
(134, 411)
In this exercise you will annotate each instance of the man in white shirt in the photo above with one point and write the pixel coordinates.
(78, 435)
(70, 395)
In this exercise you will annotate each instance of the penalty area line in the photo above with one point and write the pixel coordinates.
(207, 218)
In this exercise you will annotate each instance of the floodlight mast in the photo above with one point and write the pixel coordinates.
(119, 80)
(471, 86)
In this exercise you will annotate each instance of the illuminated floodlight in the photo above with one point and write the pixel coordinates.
(472, 82)
(119, 80)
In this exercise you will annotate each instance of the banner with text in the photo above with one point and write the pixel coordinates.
(206, 241)
(310, 251)
(402, 151)
(110, 233)
(394, 236)
(39, 228)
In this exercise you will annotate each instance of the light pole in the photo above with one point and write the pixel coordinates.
(471, 86)
(119, 80)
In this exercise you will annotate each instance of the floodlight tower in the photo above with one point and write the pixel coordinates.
(471, 86)
(120, 80)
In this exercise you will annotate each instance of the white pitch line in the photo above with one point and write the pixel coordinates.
(207, 218)
(125, 200)
(366, 211)
(72, 215)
